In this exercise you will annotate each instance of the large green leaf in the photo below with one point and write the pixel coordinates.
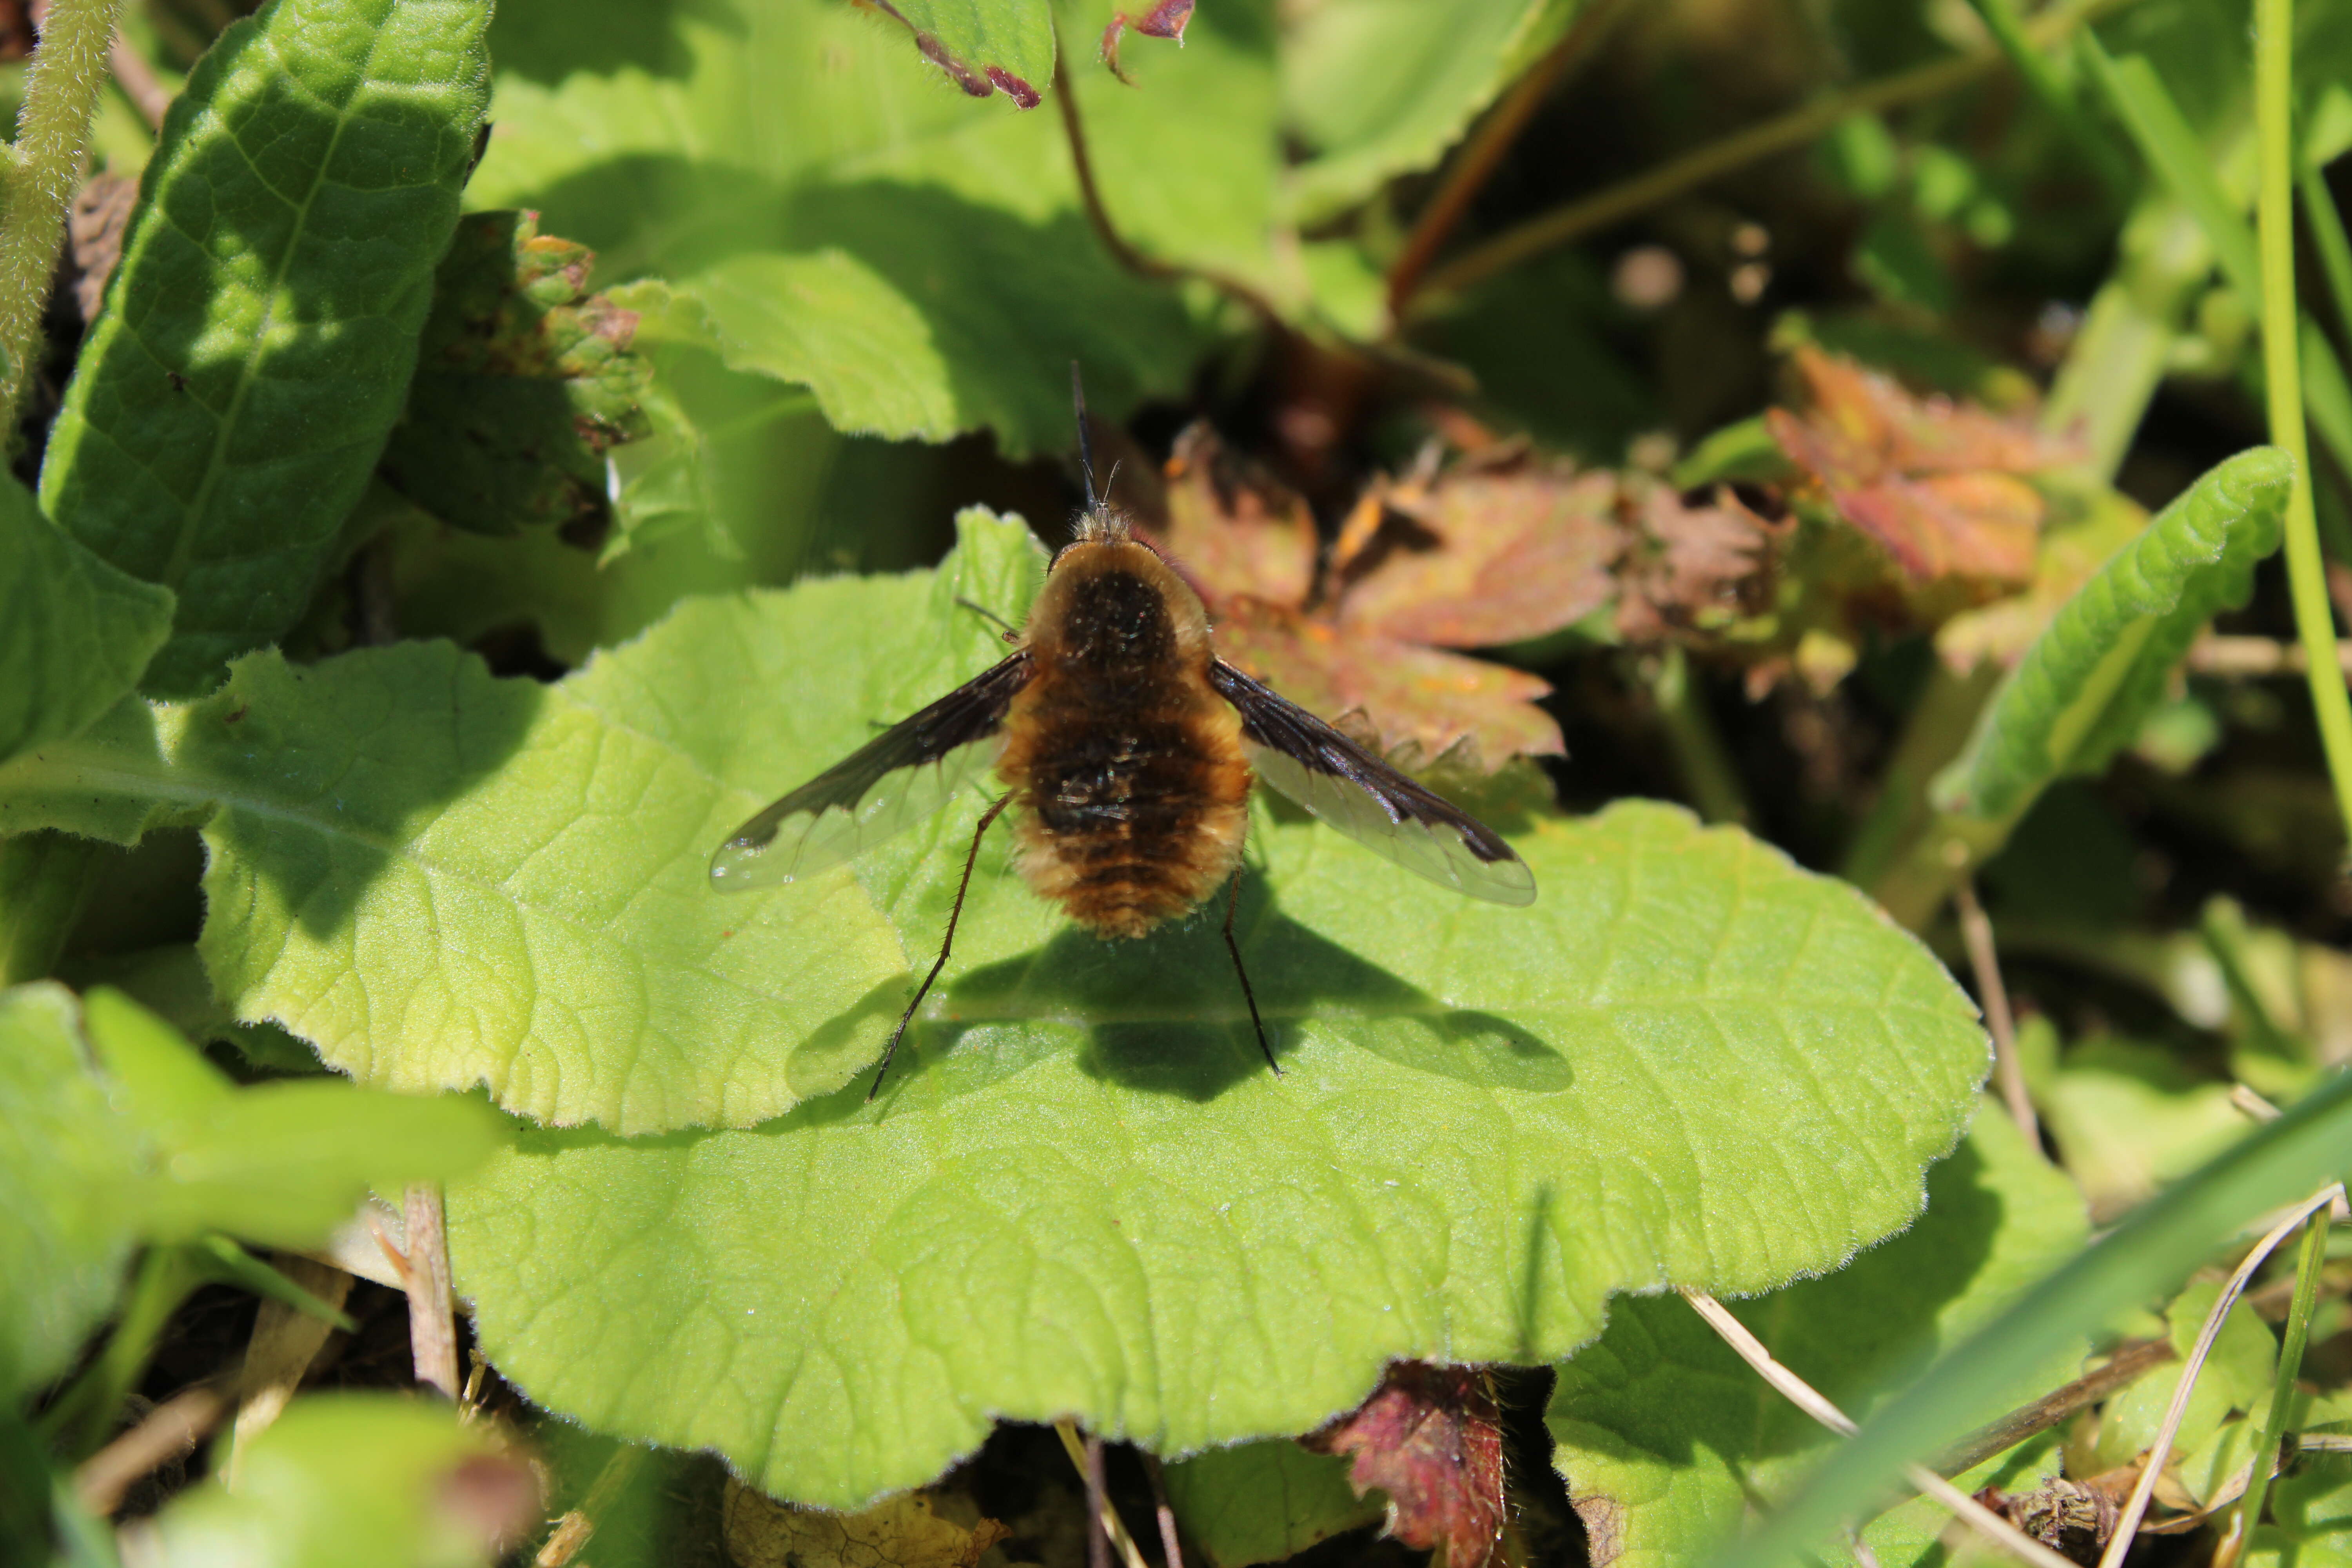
(227, 408)
(918, 259)
(1261, 1502)
(1382, 88)
(2080, 692)
(75, 633)
(1666, 1438)
(362, 1480)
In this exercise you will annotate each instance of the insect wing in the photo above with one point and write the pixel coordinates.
(1368, 800)
(895, 780)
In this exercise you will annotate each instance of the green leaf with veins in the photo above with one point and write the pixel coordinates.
(986, 46)
(1380, 88)
(231, 400)
(1669, 1437)
(1261, 1502)
(75, 633)
(921, 261)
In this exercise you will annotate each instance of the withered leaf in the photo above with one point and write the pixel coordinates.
(524, 380)
(1693, 565)
(1430, 1437)
(900, 1531)
(1233, 529)
(1486, 553)
(95, 225)
(1164, 20)
(1412, 699)
(1934, 482)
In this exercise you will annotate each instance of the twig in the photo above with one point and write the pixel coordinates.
(2241, 656)
(138, 81)
(2125, 1367)
(42, 172)
(574, 1531)
(1098, 217)
(2127, 1521)
(172, 1429)
(1170, 1552)
(1469, 170)
(1587, 215)
(1976, 932)
(1086, 1452)
(432, 1314)
(284, 1344)
(1800, 1393)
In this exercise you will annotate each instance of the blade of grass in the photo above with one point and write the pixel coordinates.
(2007, 29)
(2315, 620)
(2307, 1261)
(2152, 1464)
(2319, 211)
(2152, 1249)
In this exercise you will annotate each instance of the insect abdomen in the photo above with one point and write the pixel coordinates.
(1128, 819)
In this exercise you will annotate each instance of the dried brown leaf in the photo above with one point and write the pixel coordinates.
(900, 1531)
(1936, 482)
(1431, 1438)
(1410, 696)
(1232, 529)
(1485, 555)
(1693, 566)
(1166, 19)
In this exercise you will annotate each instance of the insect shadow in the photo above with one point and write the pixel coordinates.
(1163, 1015)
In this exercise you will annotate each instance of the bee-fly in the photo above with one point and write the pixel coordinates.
(1126, 747)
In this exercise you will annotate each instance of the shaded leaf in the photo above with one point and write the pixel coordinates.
(225, 413)
(900, 1531)
(364, 1481)
(524, 380)
(1669, 1436)
(1261, 1502)
(1936, 483)
(2131, 1118)
(75, 633)
(1431, 1436)
(2081, 690)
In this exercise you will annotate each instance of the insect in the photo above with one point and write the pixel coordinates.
(1126, 748)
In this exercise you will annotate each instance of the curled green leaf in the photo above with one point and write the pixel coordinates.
(2081, 690)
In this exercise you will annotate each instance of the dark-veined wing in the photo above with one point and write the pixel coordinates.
(898, 778)
(1369, 801)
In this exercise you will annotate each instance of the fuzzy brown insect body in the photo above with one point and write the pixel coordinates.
(1125, 763)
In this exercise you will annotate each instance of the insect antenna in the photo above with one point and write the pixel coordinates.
(946, 943)
(1232, 902)
(1085, 443)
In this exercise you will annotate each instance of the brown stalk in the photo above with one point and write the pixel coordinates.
(1976, 932)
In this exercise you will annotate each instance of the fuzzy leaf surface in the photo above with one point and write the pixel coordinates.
(228, 406)
(1667, 1434)
(75, 633)
(2081, 690)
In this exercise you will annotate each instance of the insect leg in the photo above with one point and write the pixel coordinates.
(1012, 632)
(954, 914)
(1233, 902)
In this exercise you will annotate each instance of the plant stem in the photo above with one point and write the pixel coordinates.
(2307, 1261)
(1575, 219)
(52, 128)
(1707, 769)
(2000, 16)
(2327, 238)
(2306, 575)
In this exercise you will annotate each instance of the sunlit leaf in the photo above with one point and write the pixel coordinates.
(231, 400)
(1431, 1438)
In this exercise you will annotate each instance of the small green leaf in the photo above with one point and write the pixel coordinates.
(2079, 694)
(1261, 1502)
(232, 399)
(1382, 88)
(362, 1480)
(524, 380)
(2311, 1514)
(984, 46)
(1662, 1429)
(63, 1242)
(75, 633)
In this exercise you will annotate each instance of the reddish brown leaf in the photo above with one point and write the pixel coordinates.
(1232, 530)
(1485, 555)
(1694, 568)
(1165, 20)
(1407, 696)
(1431, 1438)
(1934, 482)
